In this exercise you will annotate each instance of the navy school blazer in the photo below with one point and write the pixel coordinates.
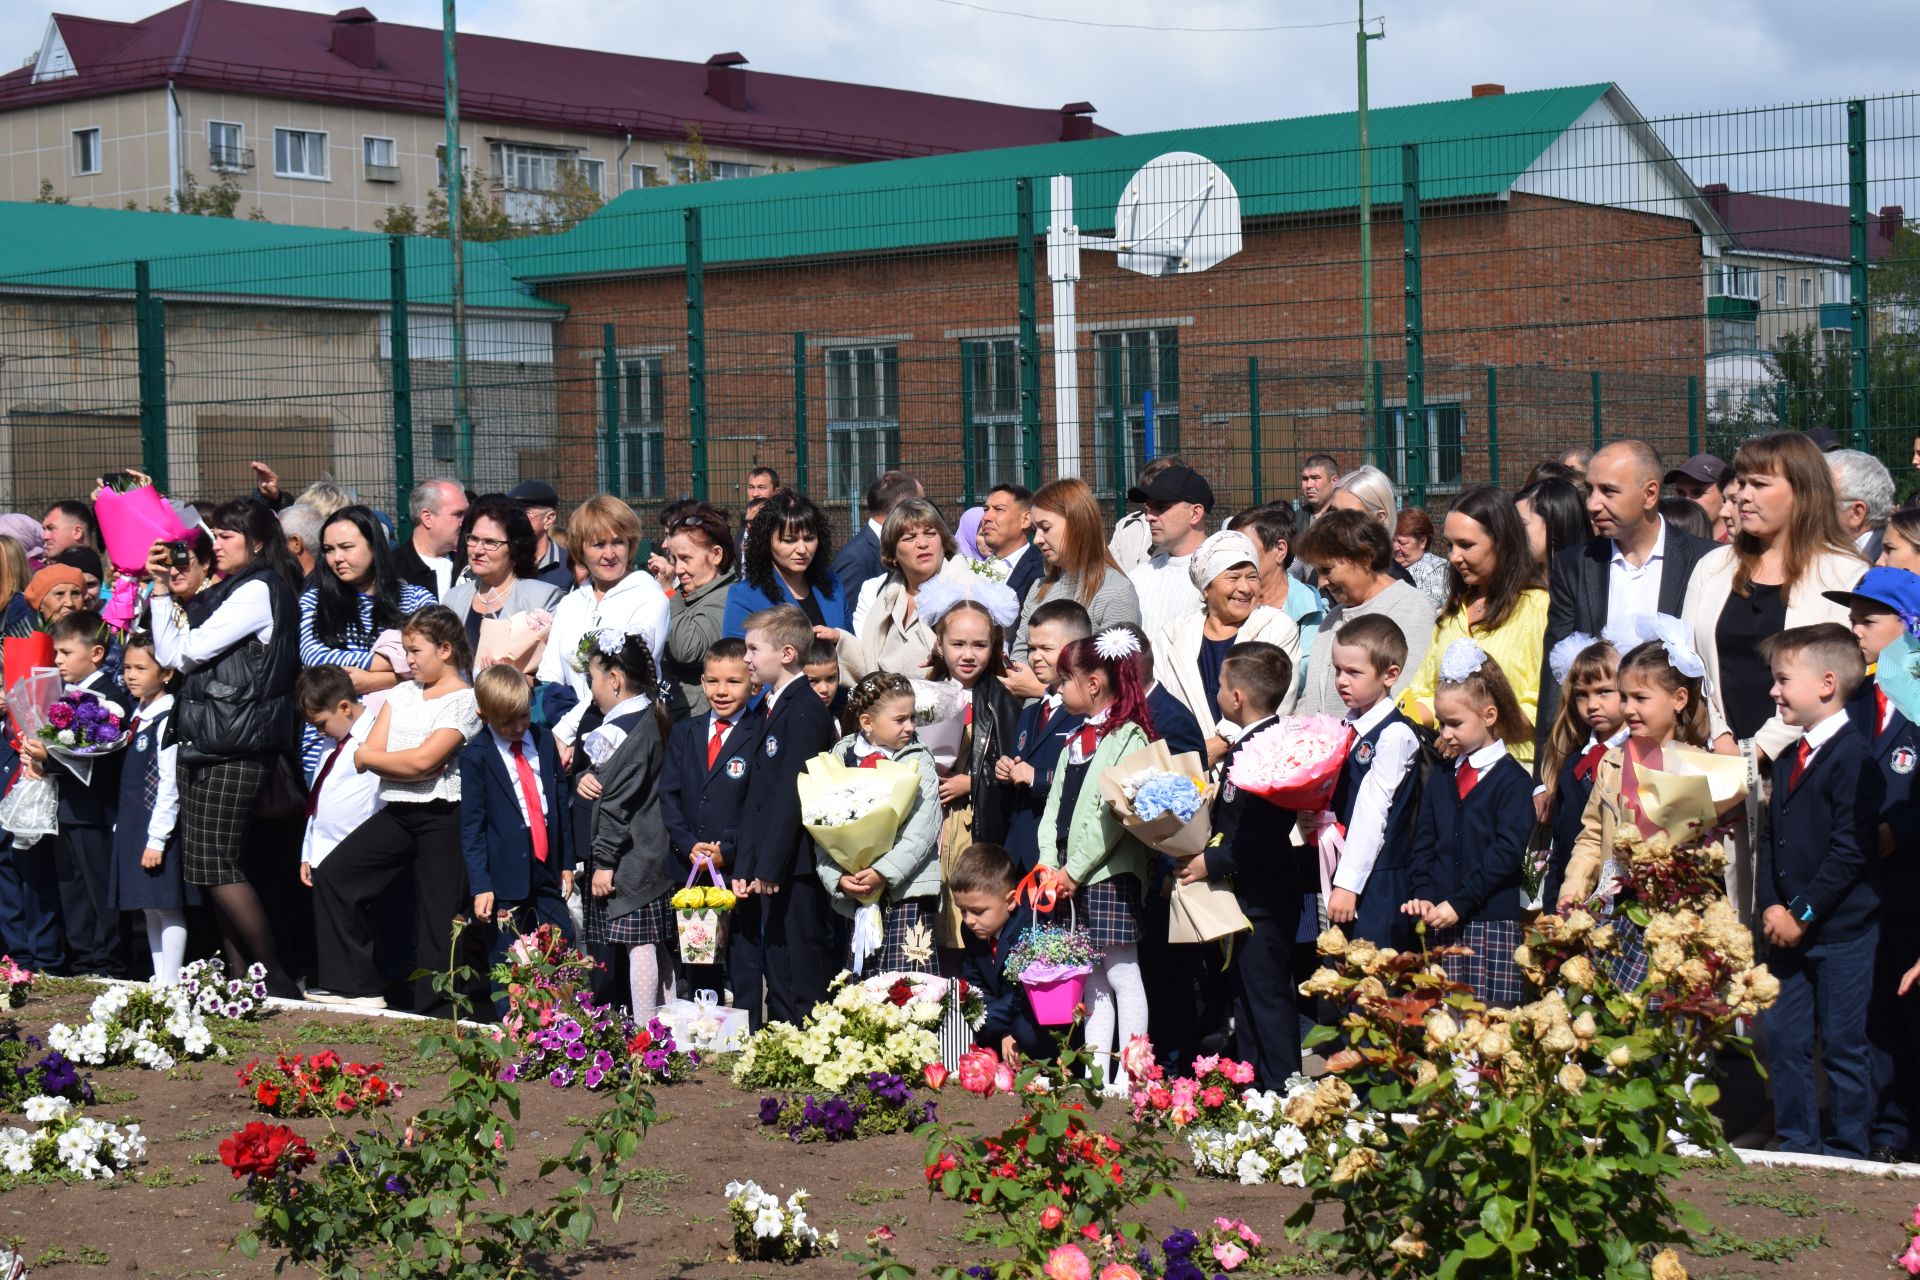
(1252, 845)
(700, 804)
(1174, 725)
(494, 837)
(1822, 844)
(1041, 749)
(1897, 751)
(774, 847)
(1468, 852)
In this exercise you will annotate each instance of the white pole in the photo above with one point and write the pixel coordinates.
(1063, 269)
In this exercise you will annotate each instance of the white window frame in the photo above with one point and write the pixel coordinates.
(440, 163)
(996, 408)
(637, 176)
(681, 169)
(860, 445)
(1133, 436)
(325, 146)
(1806, 291)
(99, 148)
(1779, 291)
(642, 427)
(238, 147)
(366, 151)
(1396, 460)
(733, 170)
(521, 167)
(594, 172)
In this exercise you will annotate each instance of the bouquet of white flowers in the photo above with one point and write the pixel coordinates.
(940, 719)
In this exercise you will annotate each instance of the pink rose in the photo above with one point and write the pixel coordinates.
(1229, 1255)
(1051, 1217)
(1118, 1271)
(1911, 1258)
(1068, 1263)
(977, 1071)
(936, 1076)
(1003, 1078)
(1137, 1060)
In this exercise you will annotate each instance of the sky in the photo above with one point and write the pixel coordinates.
(1670, 56)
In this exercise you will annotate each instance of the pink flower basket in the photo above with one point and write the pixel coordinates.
(1055, 997)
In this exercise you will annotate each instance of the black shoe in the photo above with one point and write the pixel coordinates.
(1884, 1154)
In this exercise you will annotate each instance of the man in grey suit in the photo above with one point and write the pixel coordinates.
(1638, 564)
(1864, 489)
(859, 558)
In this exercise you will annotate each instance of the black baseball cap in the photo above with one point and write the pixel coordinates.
(1175, 484)
(1703, 467)
(535, 493)
(1825, 438)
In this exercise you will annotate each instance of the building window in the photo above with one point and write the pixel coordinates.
(1733, 282)
(520, 168)
(1445, 424)
(299, 153)
(443, 442)
(440, 164)
(1806, 291)
(1725, 334)
(994, 374)
(226, 147)
(381, 158)
(1836, 286)
(682, 169)
(1779, 291)
(1143, 361)
(643, 393)
(722, 170)
(86, 151)
(863, 416)
(641, 176)
(593, 173)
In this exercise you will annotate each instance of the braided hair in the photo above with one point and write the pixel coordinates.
(872, 690)
(630, 657)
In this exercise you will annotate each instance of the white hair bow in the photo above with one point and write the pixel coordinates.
(939, 594)
(1116, 643)
(1560, 658)
(1462, 658)
(1673, 635)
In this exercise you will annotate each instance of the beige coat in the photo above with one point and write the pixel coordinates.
(1603, 815)
(890, 636)
(1176, 656)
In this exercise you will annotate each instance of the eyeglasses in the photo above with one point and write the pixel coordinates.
(485, 544)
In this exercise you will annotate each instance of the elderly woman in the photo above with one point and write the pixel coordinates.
(888, 633)
(789, 549)
(1366, 490)
(1495, 599)
(700, 551)
(1354, 559)
(1187, 654)
(1071, 537)
(605, 536)
(500, 580)
(236, 647)
(1413, 551)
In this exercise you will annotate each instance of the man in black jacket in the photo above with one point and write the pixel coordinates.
(426, 558)
(1638, 563)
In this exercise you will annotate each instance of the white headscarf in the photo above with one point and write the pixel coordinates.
(1220, 553)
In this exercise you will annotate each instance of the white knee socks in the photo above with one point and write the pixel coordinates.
(650, 968)
(167, 940)
(1118, 1003)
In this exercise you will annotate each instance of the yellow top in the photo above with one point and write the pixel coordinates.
(1517, 646)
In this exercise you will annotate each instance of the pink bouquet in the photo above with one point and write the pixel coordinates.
(130, 523)
(1295, 762)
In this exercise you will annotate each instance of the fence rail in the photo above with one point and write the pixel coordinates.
(1689, 281)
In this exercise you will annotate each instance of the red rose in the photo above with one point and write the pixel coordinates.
(1051, 1217)
(900, 992)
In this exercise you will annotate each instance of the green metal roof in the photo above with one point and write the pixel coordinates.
(1472, 147)
(72, 247)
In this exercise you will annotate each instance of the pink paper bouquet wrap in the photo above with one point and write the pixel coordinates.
(130, 523)
(1294, 763)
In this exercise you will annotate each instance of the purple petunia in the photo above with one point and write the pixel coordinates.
(769, 1111)
(561, 1078)
(602, 1060)
(576, 1051)
(569, 1030)
(593, 1077)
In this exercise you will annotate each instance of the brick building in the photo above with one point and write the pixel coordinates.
(1559, 241)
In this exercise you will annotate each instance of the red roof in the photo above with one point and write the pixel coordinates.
(221, 44)
(1798, 228)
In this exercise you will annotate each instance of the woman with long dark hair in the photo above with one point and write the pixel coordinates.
(237, 649)
(356, 595)
(499, 581)
(1495, 599)
(1555, 516)
(789, 549)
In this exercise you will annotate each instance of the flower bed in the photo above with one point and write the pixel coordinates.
(764, 1230)
(67, 1144)
(153, 1026)
(316, 1085)
(599, 1047)
(888, 1023)
(542, 976)
(882, 1103)
(205, 983)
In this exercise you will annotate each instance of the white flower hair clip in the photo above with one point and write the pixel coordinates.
(1462, 658)
(1116, 643)
(1560, 658)
(1673, 635)
(609, 640)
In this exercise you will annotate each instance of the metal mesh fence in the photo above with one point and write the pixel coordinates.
(1689, 281)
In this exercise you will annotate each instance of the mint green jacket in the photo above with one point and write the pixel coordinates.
(1098, 847)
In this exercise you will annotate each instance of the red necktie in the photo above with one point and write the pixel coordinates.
(1464, 777)
(871, 760)
(1879, 711)
(714, 743)
(1089, 739)
(1800, 764)
(530, 794)
(1040, 726)
(319, 779)
(1590, 761)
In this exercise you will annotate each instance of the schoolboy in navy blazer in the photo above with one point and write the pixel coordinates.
(1469, 855)
(1039, 737)
(1816, 858)
(702, 804)
(1008, 1012)
(497, 840)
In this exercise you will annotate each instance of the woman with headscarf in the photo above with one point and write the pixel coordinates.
(966, 533)
(1188, 652)
(55, 592)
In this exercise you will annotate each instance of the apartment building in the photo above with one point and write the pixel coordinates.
(329, 121)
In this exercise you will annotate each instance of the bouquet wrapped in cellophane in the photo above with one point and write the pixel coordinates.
(853, 814)
(1295, 762)
(940, 719)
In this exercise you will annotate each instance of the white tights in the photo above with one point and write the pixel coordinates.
(650, 969)
(1118, 996)
(167, 940)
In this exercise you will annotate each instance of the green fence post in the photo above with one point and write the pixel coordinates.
(1780, 404)
(1857, 268)
(1693, 414)
(1493, 425)
(150, 335)
(1253, 427)
(800, 410)
(966, 426)
(1029, 342)
(696, 356)
(1593, 379)
(1377, 429)
(1416, 477)
(610, 409)
(1117, 435)
(400, 347)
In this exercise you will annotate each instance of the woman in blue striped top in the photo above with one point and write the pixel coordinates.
(356, 594)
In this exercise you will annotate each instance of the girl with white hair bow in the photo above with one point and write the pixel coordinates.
(1189, 650)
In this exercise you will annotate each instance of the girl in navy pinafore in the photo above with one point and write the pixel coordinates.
(146, 865)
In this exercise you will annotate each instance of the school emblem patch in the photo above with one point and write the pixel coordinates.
(736, 768)
(773, 746)
(140, 744)
(1903, 759)
(1228, 792)
(1363, 753)
(1020, 743)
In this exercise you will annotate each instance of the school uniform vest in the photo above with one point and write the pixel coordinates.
(1398, 842)
(241, 703)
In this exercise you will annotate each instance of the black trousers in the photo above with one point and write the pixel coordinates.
(797, 925)
(417, 840)
(1266, 1017)
(746, 961)
(83, 860)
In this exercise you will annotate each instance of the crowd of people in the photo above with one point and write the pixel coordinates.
(517, 720)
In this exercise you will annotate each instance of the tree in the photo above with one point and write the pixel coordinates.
(1815, 383)
(483, 215)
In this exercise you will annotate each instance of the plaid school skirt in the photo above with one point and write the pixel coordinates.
(1627, 967)
(1490, 970)
(915, 916)
(652, 923)
(1110, 910)
(217, 802)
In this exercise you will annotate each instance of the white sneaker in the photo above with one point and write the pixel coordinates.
(315, 996)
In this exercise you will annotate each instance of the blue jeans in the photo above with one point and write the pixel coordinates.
(1825, 985)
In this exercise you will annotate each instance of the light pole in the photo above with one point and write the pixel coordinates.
(1360, 40)
(456, 179)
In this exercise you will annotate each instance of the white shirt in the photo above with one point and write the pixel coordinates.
(531, 752)
(1393, 753)
(1634, 590)
(1074, 754)
(412, 718)
(442, 567)
(1485, 758)
(348, 797)
(1165, 591)
(605, 740)
(634, 606)
(166, 802)
(1817, 737)
(1007, 563)
(247, 612)
(1866, 536)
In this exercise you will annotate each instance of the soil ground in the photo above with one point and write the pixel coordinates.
(174, 1216)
